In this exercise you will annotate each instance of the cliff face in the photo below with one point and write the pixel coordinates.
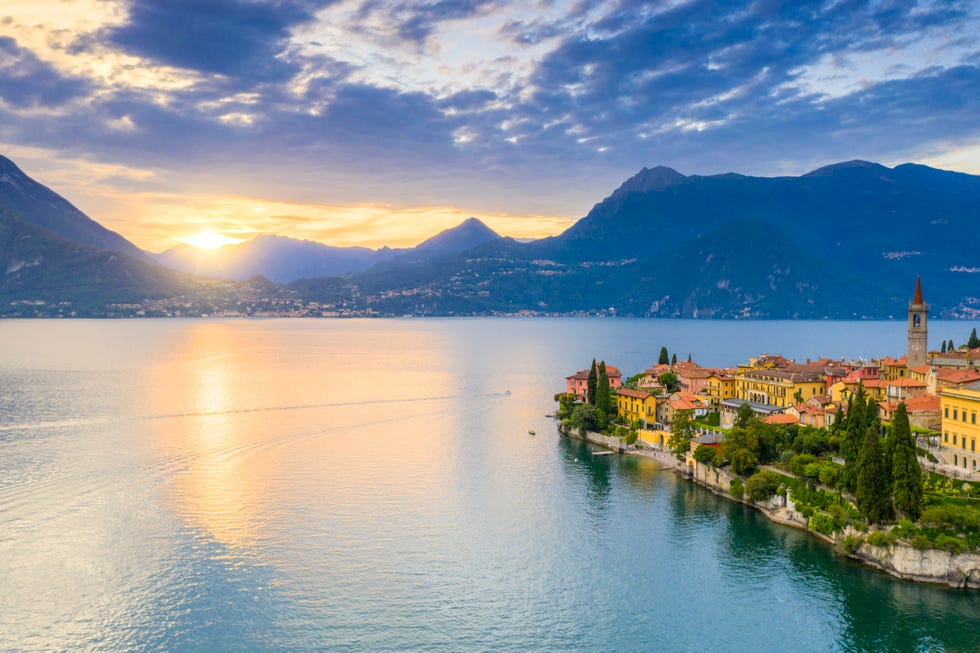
(900, 560)
(931, 565)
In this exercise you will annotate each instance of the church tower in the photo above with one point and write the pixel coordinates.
(918, 315)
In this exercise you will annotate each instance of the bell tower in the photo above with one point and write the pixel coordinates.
(918, 316)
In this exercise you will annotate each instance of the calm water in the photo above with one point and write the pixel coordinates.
(370, 486)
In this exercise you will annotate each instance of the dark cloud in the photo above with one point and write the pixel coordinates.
(238, 38)
(27, 82)
(702, 86)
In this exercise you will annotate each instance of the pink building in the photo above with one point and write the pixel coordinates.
(578, 383)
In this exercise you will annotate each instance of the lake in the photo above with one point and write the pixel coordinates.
(371, 485)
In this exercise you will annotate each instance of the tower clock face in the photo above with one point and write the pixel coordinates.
(915, 346)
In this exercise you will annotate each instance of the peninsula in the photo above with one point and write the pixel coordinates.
(877, 457)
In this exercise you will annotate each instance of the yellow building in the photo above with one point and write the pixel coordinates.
(636, 405)
(719, 388)
(894, 368)
(961, 429)
(842, 391)
(778, 387)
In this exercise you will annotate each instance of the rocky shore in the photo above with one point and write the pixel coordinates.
(900, 560)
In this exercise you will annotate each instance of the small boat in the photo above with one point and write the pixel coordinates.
(530, 432)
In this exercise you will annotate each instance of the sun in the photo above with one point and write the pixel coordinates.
(210, 240)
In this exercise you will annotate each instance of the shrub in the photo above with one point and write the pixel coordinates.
(962, 516)
(881, 538)
(813, 470)
(736, 489)
(797, 464)
(921, 542)
(705, 455)
(851, 543)
(823, 523)
(786, 456)
(829, 473)
(807, 512)
(631, 437)
(762, 485)
(950, 543)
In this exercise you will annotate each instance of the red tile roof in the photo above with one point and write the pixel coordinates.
(958, 376)
(781, 418)
(636, 394)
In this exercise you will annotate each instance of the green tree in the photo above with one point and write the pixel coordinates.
(681, 432)
(603, 399)
(872, 492)
(744, 415)
(673, 359)
(741, 447)
(906, 472)
(670, 381)
(974, 341)
(851, 428)
(664, 357)
(584, 418)
(592, 384)
(705, 455)
(950, 346)
(942, 350)
(798, 396)
(762, 485)
(689, 356)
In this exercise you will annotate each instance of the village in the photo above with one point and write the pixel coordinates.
(940, 390)
(878, 457)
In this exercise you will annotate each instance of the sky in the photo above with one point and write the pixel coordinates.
(381, 122)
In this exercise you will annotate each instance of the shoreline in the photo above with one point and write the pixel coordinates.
(902, 561)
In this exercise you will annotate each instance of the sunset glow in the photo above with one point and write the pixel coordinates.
(210, 241)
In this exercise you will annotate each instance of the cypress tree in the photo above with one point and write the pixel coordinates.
(664, 357)
(852, 434)
(974, 341)
(906, 473)
(673, 359)
(950, 346)
(603, 399)
(689, 356)
(592, 383)
(872, 493)
(942, 350)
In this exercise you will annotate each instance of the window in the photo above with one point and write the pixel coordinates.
(956, 414)
(946, 437)
(917, 321)
(946, 411)
(954, 438)
(973, 444)
(973, 418)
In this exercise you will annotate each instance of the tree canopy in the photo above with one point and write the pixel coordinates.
(906, 472)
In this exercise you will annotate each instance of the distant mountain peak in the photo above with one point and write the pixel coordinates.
(847, 167)
(647, 179)
(466, 235)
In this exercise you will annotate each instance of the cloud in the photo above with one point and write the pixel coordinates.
(537, 109)
(237, 38)
(27, 82)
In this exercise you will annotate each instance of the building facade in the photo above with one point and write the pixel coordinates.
(918, 316)
(961, 426)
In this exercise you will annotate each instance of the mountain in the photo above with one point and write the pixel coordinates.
(40, 206)
(466, 235)
(844, 241)
(276, 258)
(39, 267)
(284, 260)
